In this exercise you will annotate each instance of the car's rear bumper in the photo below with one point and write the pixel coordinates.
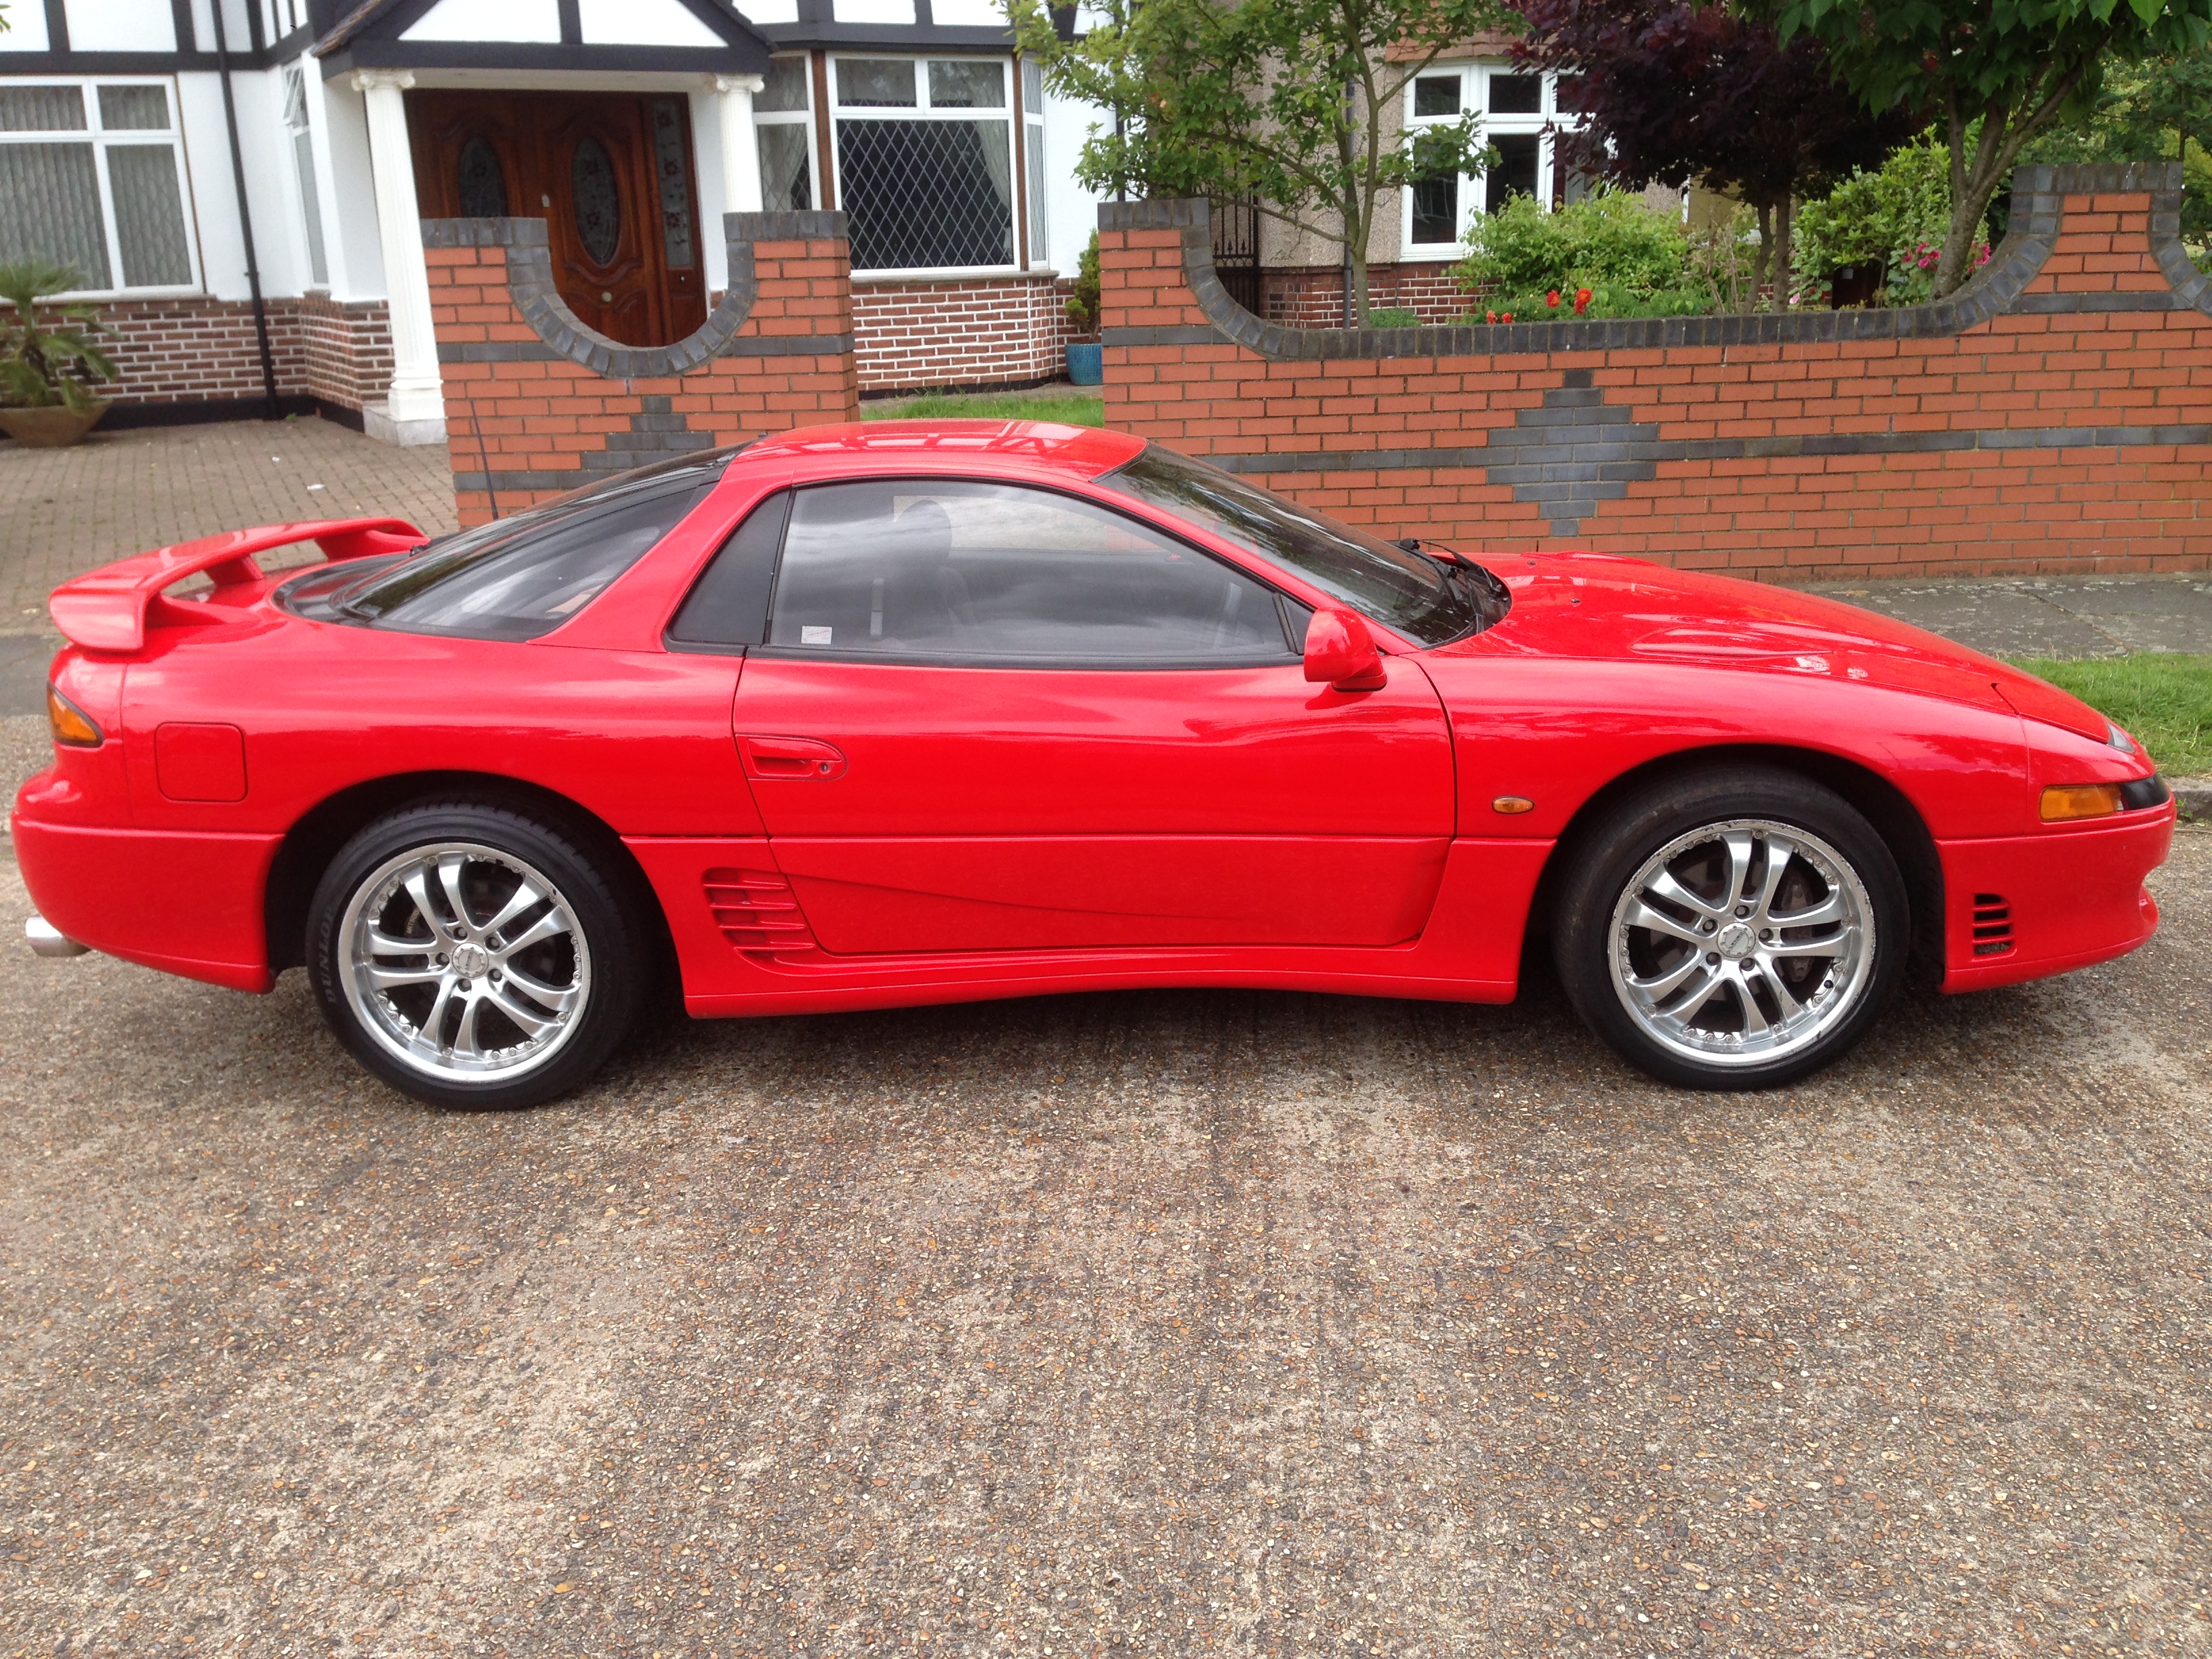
(189, 904)
(2070, 898)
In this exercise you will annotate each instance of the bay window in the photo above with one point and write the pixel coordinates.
(92, 175)
(783, 124)
(1520, 113)
(925, 161)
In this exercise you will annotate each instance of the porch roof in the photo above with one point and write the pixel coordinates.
(375, 34)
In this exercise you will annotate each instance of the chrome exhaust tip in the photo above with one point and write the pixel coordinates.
(48, 940)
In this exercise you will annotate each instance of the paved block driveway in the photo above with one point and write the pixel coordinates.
(1180, 1323)
(1174, 1323)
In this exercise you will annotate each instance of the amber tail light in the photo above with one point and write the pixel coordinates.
(71, 724)
(2064, 802)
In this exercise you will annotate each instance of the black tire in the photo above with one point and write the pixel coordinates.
(586, 977)
(1761, 978)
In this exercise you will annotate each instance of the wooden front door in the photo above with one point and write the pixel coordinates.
(609, 173)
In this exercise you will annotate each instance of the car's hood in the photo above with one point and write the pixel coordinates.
(1625, 609)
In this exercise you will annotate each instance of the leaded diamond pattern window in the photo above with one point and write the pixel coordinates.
(783, 124)
(926, 179)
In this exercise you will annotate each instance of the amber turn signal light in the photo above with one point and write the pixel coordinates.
(1512, 804)
(2080, 800)
(71, 724)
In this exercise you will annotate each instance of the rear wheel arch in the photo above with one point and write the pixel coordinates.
(315, 839)
(1882, 802)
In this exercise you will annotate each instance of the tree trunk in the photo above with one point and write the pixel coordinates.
(1785, 221)
(1764, 213)
(1358, 264)
(2004, 133)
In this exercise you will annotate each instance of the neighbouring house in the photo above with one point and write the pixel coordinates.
(182, 152)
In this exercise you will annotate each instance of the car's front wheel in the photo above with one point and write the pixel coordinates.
(1736, 928)
(471, 954)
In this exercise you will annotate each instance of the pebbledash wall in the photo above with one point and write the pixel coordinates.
(537, 404)
(2055, 415)
(198, 356)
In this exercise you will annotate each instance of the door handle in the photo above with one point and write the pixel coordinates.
(790, 759)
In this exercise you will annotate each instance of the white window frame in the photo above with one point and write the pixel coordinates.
(1474, 95)
(798, 118)
(1035, 202)
(310, 88)
(101, 140)
(919, 110)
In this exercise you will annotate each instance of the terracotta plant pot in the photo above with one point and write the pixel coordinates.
(56, 426)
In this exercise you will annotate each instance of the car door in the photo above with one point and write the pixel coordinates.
(992, 717)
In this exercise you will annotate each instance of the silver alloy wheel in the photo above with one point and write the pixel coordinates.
(464, 962)
(1741, 942)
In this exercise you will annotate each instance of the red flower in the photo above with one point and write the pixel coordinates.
(1507, 317)
(1582, 300)
(1489, 316)
(1553, 299)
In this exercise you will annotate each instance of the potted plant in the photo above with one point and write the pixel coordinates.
(1086, 363)
(44, 372)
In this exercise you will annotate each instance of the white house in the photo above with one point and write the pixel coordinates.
(187, 155)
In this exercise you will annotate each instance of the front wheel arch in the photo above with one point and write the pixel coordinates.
(314, 840)
(1879, 801)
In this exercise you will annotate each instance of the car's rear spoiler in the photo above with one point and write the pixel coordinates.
(107, 609)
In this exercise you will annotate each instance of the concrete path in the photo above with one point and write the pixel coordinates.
(2048, 616)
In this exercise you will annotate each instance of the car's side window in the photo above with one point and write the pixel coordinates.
(986, 573)
(727, 609)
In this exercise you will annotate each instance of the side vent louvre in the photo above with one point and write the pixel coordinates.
(1992, 924)
(759, 914)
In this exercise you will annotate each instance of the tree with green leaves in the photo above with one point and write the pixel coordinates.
(1992, 75)
(2159, 106)
(1294, 103)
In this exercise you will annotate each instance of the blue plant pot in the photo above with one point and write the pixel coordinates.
(1086, 365)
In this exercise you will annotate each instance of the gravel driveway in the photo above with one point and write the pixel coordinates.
(1164, 1323)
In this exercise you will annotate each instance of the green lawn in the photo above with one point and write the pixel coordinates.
(1069, 409)
(2164, 700)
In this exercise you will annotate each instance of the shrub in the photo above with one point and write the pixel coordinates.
(1896, 217)
(44, 366)
(1565, 304)
(1393, 317)
(1083, 295)
(1610, 242)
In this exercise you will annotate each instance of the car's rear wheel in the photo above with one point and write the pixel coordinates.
(1736, 928)
(471, 954)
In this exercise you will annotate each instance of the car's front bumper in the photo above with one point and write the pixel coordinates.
(2070, 897)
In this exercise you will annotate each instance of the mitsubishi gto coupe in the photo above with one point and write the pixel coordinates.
(861, 716)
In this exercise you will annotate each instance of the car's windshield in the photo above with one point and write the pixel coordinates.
(1426, 600)
(518, 577)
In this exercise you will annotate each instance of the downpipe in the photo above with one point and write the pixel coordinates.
(48, 940)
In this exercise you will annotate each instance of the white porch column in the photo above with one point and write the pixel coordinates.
(741, 173)
(415, 410)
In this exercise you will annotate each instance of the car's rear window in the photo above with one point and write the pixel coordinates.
(519, 577)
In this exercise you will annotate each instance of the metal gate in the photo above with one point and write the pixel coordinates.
(1236, 247)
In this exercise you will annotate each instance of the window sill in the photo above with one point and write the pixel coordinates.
(949, 274)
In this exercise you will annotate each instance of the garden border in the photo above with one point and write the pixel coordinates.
(2039, 193)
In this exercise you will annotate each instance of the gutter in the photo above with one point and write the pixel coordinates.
(245, 219)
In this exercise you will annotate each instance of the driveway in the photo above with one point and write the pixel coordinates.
(1177, 1323)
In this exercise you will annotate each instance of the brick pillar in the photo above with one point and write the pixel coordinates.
(537, 404)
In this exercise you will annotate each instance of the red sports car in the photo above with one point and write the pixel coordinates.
(859, 716)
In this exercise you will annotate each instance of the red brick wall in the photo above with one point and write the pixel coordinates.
(984, 331)
(2061, 422)
(525, 419)
(1312, 296)
(188, 349)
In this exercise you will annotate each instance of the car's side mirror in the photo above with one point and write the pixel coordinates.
(1340, 652)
